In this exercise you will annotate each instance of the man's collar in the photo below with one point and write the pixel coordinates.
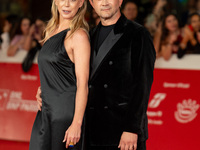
(120, 24)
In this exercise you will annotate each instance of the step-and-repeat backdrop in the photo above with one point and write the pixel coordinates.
(173, 111)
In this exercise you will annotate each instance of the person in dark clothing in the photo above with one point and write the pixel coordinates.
(64, 73)
(121, 75)
(122, 63)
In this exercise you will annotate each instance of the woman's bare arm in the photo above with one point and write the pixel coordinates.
(81, 57)
(156, 41)
(12, 49)
(166, 51)
(81, 50)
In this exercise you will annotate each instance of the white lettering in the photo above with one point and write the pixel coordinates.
(15, 95)
(28, 77)
(176, 85)
(154, 113)
(155, 122)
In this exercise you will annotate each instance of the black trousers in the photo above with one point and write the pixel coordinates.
(140, 146)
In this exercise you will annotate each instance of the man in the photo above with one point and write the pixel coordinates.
(130, 10)
(122, 63)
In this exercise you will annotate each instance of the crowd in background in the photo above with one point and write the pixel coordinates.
(172, 31)
(20, 33)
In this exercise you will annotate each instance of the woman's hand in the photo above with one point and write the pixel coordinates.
(190, 35)
(32, 30)
(39, 99)
(72, 135)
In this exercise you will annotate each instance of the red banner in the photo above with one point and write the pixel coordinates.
(18, 106)
(173, 110)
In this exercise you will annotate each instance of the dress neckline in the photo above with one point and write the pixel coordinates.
(59, 33)
(56, 34)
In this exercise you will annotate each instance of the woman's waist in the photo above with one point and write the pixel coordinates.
(53, 99)
(55, 90)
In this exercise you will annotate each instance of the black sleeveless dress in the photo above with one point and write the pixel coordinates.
(58, 85)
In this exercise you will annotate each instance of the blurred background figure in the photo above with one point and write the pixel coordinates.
(33, 40)
(153, 19)
(20, 37)
(37, 29)
(168, 36)
(130, 10)
(9, 30)
(191, 38)
(193, 6)
(35, 33)
(153, 14)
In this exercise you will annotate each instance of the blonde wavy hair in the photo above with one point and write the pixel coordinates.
(77, 22)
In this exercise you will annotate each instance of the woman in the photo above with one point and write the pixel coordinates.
(64, 70)
(35, 34)
(33, 43)
(152, 20)
(18, 42)
(9, 29)
(168, 37)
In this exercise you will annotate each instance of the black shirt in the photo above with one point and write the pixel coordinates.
(102, 34)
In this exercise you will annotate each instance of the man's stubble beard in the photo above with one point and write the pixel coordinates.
(108, 16)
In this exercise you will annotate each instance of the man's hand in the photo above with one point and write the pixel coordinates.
(128, 141)
(39, 99)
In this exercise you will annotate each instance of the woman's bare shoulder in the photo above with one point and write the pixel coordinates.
(81, 34)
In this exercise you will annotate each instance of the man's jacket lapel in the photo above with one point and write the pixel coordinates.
(104, 49)
(107, 45)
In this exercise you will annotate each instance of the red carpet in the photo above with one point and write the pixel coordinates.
(13, 145)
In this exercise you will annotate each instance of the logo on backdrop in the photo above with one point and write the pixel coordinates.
(186, 111)
(154, 104)
(12, 100)
(3, 98)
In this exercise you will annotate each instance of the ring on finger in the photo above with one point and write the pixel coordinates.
(71, 144)
(130, 148)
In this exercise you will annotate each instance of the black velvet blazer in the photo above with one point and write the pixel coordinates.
(120, 83)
